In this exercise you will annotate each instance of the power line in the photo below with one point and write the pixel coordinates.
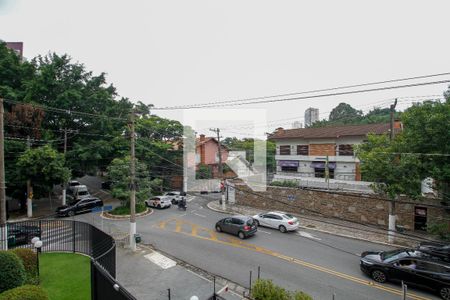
(314, 96)
(309, 92)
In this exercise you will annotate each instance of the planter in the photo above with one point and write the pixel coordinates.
(107, 215)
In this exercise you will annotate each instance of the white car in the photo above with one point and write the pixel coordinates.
(278, 220)
(158, 202)
(174, 196)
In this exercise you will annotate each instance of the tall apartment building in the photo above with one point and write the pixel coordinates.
(296, 125)
(311, 116)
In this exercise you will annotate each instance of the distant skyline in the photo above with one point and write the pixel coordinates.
(171, 53)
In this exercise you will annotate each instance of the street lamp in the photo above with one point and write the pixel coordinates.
(37, 243)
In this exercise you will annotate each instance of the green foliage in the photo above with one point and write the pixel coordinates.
(25, 292)
(44, 166)
(344, 112)
(285, 183)
(29, 260)
(125, 210)
(203, 172)
(439, 229)
(264, 289)
(12, 271)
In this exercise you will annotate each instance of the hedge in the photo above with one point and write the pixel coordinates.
(12, 271)
(264, 289)
(25, 292)
(29, 261)
(285, 183)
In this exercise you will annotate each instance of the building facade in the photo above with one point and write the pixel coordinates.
(207, 153)
(311, 116)
(309, 153)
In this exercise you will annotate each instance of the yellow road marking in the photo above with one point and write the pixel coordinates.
(234, 242)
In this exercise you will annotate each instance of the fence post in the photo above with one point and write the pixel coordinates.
(93, 282)
(214, 284)
(259, 272)
(73, 236)
(404, 290)
(40, 229)
(250, 288)
(168, 293)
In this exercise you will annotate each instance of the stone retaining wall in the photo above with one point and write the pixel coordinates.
(348, 206)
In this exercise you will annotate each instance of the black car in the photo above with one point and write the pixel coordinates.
(75, 207)
(22, 234)
(242, 226)
(411, 266)
(436, 249)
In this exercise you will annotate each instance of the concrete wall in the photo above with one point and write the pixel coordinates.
(352, 207)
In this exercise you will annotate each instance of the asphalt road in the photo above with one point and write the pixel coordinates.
(317, 263)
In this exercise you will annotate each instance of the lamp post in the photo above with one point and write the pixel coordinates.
(37, 243)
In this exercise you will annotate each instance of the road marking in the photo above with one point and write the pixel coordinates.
(234, 242)
(308, 235)
(190, 199)
(259, 230)
(199, 215)
(158, 259)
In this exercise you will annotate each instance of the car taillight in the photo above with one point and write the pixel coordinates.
(246, 227)
(291, 222)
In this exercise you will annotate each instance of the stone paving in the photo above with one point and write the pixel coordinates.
(335, 227)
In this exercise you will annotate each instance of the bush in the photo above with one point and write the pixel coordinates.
(12, 272)
(285, 183)
(439, 229)
(265, 290)
(125, 210)
(28, 258)
(25, 292)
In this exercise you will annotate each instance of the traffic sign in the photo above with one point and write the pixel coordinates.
(291, 197)
(96, 209)
(107, 208)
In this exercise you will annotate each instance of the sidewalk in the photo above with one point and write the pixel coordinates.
(331, 226)
(147, 274)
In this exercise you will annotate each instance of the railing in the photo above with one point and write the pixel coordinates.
(76, 237)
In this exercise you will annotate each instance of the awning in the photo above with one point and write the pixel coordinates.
(288, 163)
(321, 165)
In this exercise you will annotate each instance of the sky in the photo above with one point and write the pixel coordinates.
(169, 53)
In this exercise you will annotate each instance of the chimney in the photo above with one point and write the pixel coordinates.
(398, 124)
(202, 137)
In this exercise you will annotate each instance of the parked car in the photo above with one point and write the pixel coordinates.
(279, 220)
(410, 266)
(242, 226)
(72, 184)
(159, 202)
(78, 192)
(436, 249)
(107, 185)
(79, 206)
(22, 234)
(174, 196)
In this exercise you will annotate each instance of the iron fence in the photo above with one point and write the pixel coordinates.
(76, 237)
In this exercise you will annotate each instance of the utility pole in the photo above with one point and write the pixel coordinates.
(392, 216)
(219, 146)
(29, 188)
(132, 187)
(64, 185)
(3, 227)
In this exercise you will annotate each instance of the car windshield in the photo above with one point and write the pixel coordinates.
(82, 193)
(389, 256)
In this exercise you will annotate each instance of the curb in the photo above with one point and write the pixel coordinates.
(319, 230)
(108, 216)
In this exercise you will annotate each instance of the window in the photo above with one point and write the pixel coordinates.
(289, 169)
(237, 221)
(346, 150)
(320, 173)
(285, 150)
(302, 150)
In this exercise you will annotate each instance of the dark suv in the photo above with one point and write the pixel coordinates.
(75, 207)
(242, 226)
(411, 266)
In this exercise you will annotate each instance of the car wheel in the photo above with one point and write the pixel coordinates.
(71, 213)
(257, 223)
(444, 292)
(241, 235)
(379, 276)
(282, 229)
(173, 201)
(218, 228)
(159, 206)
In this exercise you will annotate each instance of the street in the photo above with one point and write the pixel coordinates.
(317, 263)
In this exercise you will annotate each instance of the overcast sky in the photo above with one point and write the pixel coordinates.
(184, 52)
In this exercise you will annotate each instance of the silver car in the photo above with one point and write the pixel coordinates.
(284, 222)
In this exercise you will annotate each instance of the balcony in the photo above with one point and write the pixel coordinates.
(317, 158)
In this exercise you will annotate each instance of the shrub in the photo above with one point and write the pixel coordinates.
(25, 292)
(12, 272)
(29, 261)
(285, 183)
(440, 229)
(125, 210)
(264, 289)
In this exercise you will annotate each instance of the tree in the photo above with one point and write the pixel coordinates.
(44, 166)
(344, 112)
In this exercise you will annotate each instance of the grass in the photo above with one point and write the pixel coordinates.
(65, 276)
(125, 210)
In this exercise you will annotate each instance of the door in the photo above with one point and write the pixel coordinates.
(265, 220)
(236, 225)
(82, 205)
(404, 270)
(420, 218)
(269, 219)
(226, 225)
